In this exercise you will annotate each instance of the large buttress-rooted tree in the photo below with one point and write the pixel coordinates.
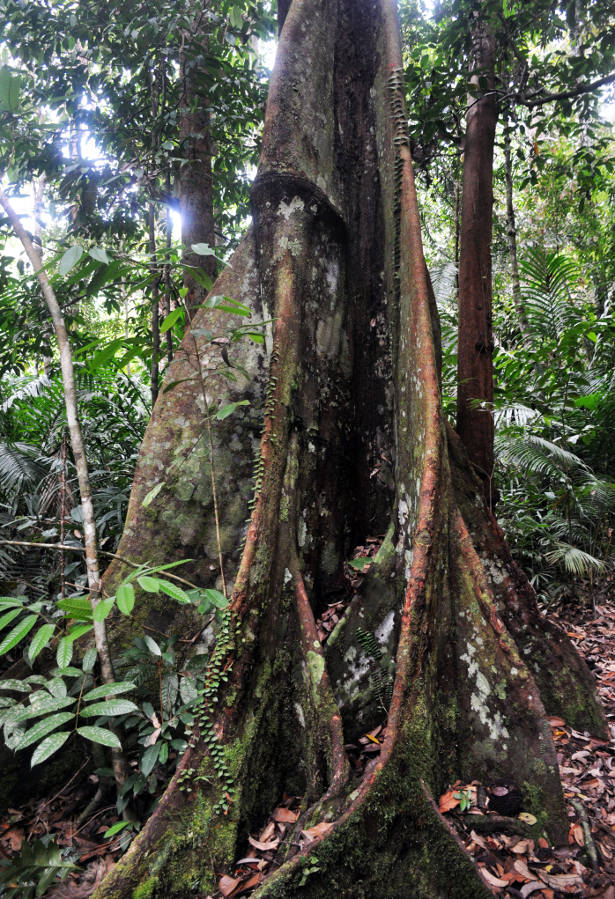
(353, 444)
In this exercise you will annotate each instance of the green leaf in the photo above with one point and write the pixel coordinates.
(173, 591)
(12, 683)
(102, 608)
(89, 659)
(70, 259)
(152, 494)
(10, 86)
(171, 318)
(100, 255)
(100, 735)
(360, 564)
(42, 728)
(17, 634)
(225, 411)
(9, 602)
(48, 747)
(78, 607)
(152, 645)
(40, 640)
(116, 828)
(78, 630)
(216, 598)
(235, 17)
(202, 249)
(112, 707)
(42, 707)
(149, 584)
(10, 616)
(64, 652)
(149, 759)
(109, 690)
(125, 598)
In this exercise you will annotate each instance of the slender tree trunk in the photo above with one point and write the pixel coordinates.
(79, 456)
(155, 301)
(354, 442)
(195, 175)
(475, 362)
(511, 238)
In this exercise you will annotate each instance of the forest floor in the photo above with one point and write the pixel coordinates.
(488, 819)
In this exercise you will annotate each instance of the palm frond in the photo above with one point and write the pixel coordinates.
(574, 560)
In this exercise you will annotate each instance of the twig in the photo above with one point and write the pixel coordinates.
(590, 846)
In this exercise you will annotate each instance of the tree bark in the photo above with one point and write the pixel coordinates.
(475, 352)
(353, 443)
(195, 181)
(511, 239)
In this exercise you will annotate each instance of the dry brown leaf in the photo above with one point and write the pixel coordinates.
(531, 887)
(267, 833)
(285, 815)
(491, 879)
(227, 884)
(263, 847)
(561, 881)
(448, 801)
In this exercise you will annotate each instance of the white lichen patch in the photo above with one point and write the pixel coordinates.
(383, 631)
(295, 205)
(287, 576)
(480, 697)
(299, 714)
(301, 532)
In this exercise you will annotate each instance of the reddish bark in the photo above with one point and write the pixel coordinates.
(338, 246)
(475, 365)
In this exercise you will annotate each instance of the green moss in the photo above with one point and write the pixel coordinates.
(146, 889)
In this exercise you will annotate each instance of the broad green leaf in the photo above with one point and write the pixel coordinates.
(10, 616)
(152, 645)
(152, 494)
(360, 564)
(64, 652)
(225, 411)
(100, 255)
(173, 591)
(100, 735)
(235, 17)
(12, 683)
(40, 640)
(17, 634)
(43, 707)
(9, 602)
(48, 747)
(10, 86)
(112, 707)
(149, 759)
(216, 598)
(102, 608)
(42, 728)
(109, 690)
(202, 249)
(125, 598)
(149, 584)
(78, 630)
(89, 659)
(69, 260)
(170, 319)
(78, 607)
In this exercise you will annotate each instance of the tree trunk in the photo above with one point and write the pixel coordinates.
(353, 444)
(195, 175)
(511, 239)
(475, 364)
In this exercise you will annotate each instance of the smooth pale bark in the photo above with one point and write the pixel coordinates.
(475, 348)
(354, 443)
